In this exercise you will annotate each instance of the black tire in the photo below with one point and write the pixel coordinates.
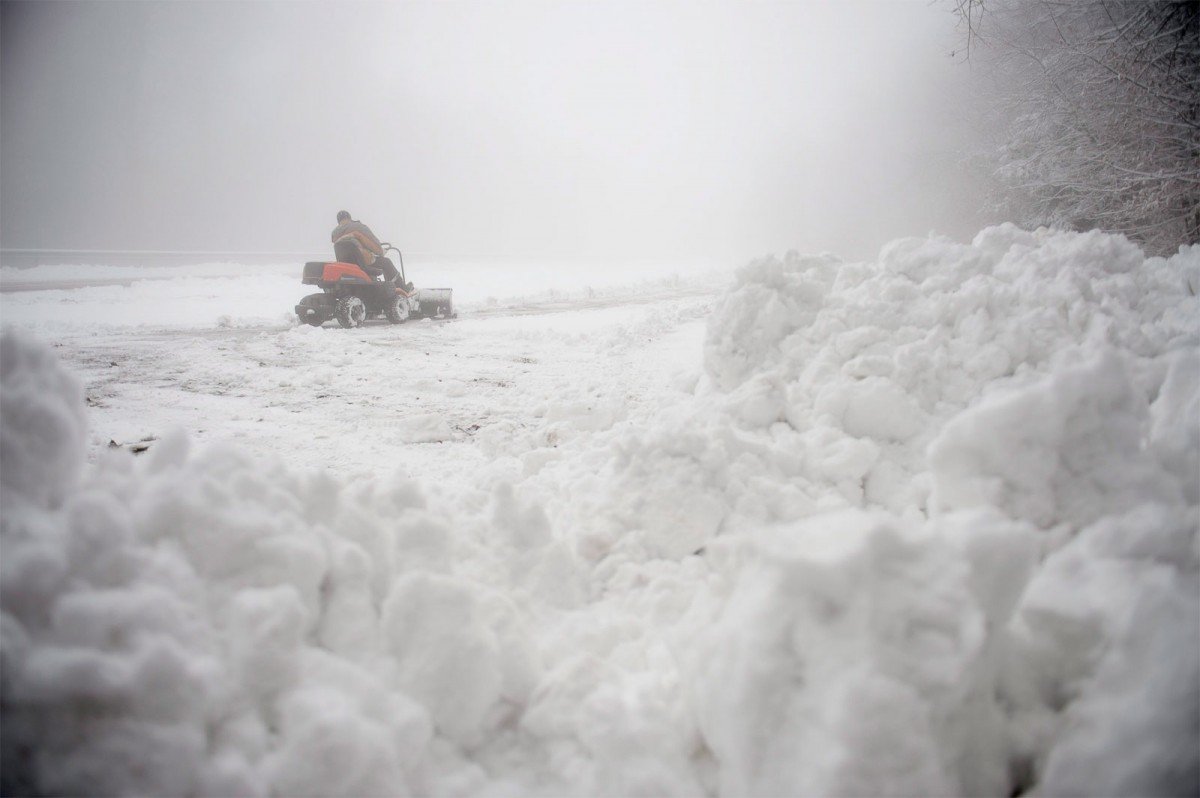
(315, 309)
(397, 311)
(350, 312)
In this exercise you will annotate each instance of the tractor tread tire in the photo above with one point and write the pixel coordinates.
(350, 312)
(397, 312)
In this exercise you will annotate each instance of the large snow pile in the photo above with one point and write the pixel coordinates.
(827, 381)
(924, 526)
(949, 504)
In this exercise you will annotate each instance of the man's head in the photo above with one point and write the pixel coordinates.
(343, 216)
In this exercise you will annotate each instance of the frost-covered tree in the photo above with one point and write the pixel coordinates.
(1097, 121)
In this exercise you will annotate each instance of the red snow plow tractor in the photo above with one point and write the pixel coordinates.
(351, 295)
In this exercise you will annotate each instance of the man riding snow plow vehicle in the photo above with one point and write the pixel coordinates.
(363, 283)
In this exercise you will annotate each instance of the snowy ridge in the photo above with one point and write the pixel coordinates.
(922, 526)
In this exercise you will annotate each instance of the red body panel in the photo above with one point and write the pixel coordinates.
(336, 271)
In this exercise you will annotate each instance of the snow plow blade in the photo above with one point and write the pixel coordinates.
(436, 303)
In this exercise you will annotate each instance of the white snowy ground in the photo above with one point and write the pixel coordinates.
(922, 526)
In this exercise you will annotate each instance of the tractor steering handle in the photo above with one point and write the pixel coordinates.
(386, 246)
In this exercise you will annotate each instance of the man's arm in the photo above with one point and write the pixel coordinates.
(368, 242)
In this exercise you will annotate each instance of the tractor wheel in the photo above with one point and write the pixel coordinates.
(397, 311)
(350, 312)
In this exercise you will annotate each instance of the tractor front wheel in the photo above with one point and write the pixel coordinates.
(397, 310)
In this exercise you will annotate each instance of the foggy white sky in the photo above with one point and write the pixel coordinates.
(665, 130)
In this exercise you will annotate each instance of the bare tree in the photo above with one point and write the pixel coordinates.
(1098, 121)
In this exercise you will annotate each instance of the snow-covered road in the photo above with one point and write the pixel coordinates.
(418, 397)
(214, 351)
(926, 525)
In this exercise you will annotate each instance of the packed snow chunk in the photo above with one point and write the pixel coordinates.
(850, 660)
(538, 562)
(997, 240)
(771, 299)
(239, 524)
(1134, 730)
(639, 748)
(43, 423)
(1189, 268)
(332, 747)
(348, 625)
(267, 632)
(663, 497)
(875, 408)
(1108, 675)
(447, 654)
(931, 263)
(1175, 421)
(1067, 449)
(1002, 555)
(760, 401)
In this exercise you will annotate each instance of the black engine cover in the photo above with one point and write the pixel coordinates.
(313, 271)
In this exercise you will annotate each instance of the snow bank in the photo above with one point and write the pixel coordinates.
(825, 382)
(923, 526)
(41, 440)
(197, 623)
(1027, 398)
(854, 658)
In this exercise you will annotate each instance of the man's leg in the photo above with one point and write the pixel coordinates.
(389, 268)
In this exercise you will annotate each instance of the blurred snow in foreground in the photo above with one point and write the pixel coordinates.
(927, 525)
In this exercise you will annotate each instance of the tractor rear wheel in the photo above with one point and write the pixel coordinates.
(350, 312)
